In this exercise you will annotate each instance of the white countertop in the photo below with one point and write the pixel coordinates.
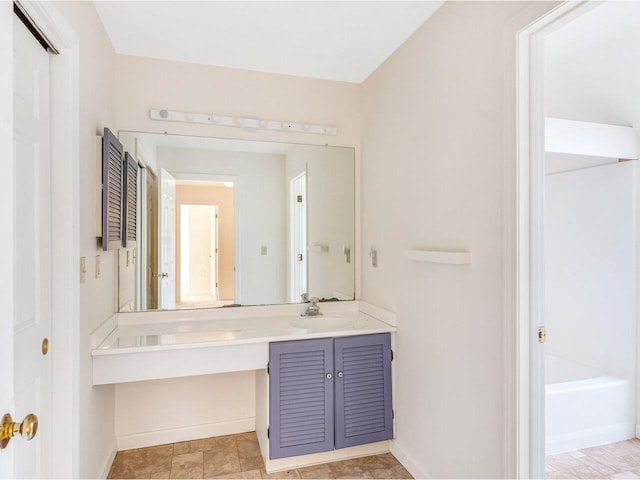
(198, 333)
(156, 345)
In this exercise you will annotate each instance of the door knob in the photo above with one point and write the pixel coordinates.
(27, 429)
(164, 275)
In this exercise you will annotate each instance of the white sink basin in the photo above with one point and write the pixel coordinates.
(323, 323)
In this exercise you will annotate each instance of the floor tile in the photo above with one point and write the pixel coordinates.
(242, 475)
(617, 463)
(623, 448)
(633, 459)
(239, 456)
(562, 461)
(142, 461)
(584, 471)
(625, 475)
(161, 475)
(187, 465)
(559, 474)
(286, 474)
(221, 460)
(316, 471)
(391, 472)
(604, 469)
(349, 469)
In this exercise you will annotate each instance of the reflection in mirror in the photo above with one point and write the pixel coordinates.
(231, 222)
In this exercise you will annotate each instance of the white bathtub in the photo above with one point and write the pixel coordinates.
(585, 407)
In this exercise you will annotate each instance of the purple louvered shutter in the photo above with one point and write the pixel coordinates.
(130, 201)
(363, 410)
(111, 191)
(300, 397)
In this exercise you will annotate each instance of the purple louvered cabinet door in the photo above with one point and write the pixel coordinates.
(112, 151)
(300, 397)
(363, 410)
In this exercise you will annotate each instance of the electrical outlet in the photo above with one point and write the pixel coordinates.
(83, 269)
(97, 266)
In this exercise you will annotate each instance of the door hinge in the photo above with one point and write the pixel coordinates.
(392, 355)
(542, 335)
(216, 284)
(299, 198)
(299, 257)
(268, 432)
(267, 368)
(393, 414)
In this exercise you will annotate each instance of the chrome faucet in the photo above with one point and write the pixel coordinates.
(312, 310)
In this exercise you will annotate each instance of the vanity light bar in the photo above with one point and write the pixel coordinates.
(248, 123)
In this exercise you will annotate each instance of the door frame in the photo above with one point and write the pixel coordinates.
(65, 202)
(524, 275)
(237, 254)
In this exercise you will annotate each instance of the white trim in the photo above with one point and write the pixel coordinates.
(109, 463)
(65, 202)
(103, 330)
(407, 461)
(523, 280)
(378, 313)
(299, 461)
(588, 438)
(588, 138)
(182, 434)
(439, 256)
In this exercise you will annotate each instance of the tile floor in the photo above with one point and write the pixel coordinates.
(238, 456)
(616, 460)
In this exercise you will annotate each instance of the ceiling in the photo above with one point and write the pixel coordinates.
(592, 72)
(335, 40)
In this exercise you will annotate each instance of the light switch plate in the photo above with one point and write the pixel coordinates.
(83, 269)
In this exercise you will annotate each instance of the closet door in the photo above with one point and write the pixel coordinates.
(300, 397)
(363, 411)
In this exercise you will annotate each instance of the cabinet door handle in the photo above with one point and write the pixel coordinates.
(340, 374)
(329, 376)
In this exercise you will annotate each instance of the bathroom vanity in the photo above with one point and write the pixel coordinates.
(308, 371)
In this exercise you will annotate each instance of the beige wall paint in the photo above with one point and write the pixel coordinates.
(143, 84)
(223, 198)
(98, 297)
(433, 143)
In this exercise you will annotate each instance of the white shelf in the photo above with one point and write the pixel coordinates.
(433, 256)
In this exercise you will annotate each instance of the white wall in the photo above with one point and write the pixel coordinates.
(143, 84)
(149, 412)
(433, 160)
(95, 431)
(589, 255)
(260, 210)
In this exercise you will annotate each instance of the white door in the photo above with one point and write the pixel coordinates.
(29, 391)
(214, 252)
(167, 257)
(298, 237)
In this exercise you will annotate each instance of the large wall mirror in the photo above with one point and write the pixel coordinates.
(226, 222)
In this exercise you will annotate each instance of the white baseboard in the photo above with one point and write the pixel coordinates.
(637, 431)
(182, 434)
(110, 458)
(589, 438)
(407, 461)
(299, 461)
